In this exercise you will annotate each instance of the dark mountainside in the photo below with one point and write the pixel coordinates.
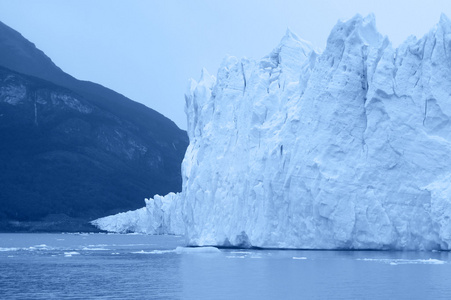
(72, 151)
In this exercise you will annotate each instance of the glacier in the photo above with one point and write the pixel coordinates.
(348, 148)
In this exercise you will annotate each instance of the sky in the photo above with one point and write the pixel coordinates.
(147, 50)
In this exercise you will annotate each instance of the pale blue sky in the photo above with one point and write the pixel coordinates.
(147, 50)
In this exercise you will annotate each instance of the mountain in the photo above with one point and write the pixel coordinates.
(74, 150)
(345, 149)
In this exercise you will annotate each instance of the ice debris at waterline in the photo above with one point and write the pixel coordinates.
(345, 149)
(183, 250)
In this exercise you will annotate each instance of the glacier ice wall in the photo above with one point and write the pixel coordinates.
(345, 149)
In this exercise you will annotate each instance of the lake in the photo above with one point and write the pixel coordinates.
(113, 266)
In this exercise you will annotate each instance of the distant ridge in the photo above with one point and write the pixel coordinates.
(20, 55)
(74, 150)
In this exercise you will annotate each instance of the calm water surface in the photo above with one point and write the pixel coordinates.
(111, 266)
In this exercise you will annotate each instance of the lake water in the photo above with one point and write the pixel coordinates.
(112, 266)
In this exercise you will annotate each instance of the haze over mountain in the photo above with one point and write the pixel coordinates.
(74, 150)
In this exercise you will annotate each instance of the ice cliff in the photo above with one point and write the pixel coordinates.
(345, 149)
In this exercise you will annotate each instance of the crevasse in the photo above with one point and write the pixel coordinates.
(345, 149)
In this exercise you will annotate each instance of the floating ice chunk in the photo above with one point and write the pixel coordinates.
(142, 252)
(182, 250)
(69, 254)
(94, 249)
(161, 251)
(430, 261)
(195, 250)
(9, 249)
(154, 252)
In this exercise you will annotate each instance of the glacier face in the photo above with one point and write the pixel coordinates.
(345, 149)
